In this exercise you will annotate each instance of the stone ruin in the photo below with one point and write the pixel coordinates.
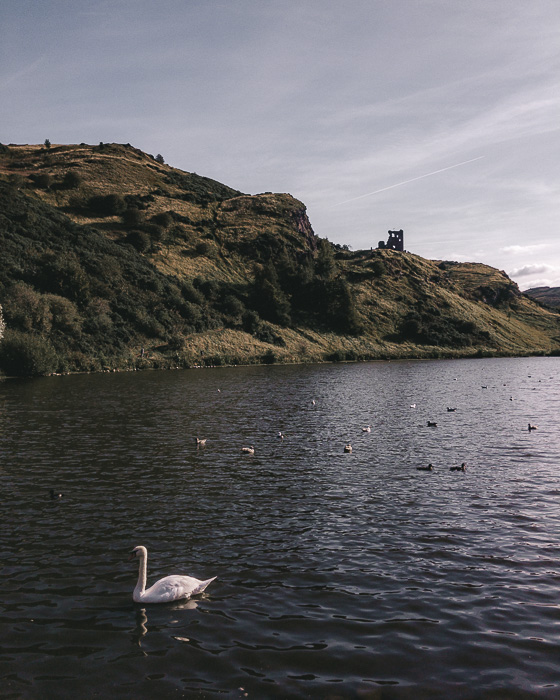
(394, 242)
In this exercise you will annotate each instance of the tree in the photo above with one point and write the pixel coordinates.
(47, 144)
(159, 159)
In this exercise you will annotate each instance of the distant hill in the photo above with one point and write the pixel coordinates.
(112, 259)
(546, 295)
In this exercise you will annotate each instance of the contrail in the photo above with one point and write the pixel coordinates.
(405, 182)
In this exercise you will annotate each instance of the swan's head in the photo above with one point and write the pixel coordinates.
(138, 552)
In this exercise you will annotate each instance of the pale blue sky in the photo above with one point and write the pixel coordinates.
(329, 100)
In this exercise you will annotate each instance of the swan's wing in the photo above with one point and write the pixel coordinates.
(174, 588)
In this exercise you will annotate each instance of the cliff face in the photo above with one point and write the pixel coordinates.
(111, 259)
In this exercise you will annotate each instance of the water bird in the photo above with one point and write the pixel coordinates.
(248, 450)
(348, 447)
(313, 402)
(367, 429)
(531, 427)
(200, 442)
(54, 495)
(432, 424)
(484, 386)
(280, 435)
(167, 589)
(462, 468)
(451, 410)
(412, 405)
(429, 468)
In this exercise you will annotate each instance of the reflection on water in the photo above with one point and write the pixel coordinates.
(339, 575)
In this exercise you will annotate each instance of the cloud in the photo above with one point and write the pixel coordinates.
(516, 249)
(527, 270)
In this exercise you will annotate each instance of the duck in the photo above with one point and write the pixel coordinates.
(54, 495)
(200, 442)
(248, 450)
(429, 468)
(348, 447)
(531, 427)
(432, 424)
(167, 589)
(450, 410)
(367, 429)
(462, 468)
(280, 435)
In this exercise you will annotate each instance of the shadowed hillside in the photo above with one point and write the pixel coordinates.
(111, 259)
(549, 296)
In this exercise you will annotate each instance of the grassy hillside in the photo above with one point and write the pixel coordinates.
(113, 260)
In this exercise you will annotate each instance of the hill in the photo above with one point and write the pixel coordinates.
(112, 259)
(550, 296)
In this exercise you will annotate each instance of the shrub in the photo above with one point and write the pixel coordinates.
(132, 217)
(25, 355)
(26, 309)
(163, 219)
(65, 316)
(107, 204)
(71, 180)
(43, 181)
(139, 240)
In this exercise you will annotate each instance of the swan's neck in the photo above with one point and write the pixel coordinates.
(141, 585)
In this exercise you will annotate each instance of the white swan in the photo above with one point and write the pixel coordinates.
(167, 589)
(248, 450)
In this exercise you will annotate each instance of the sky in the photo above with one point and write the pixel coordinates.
(438, 117)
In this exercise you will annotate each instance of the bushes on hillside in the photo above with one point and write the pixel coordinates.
(107, 204)
(27, 355)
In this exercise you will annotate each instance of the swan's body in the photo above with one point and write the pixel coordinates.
(248, 450)
(167, 589)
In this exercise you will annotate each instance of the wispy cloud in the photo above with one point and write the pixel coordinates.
(21, 73)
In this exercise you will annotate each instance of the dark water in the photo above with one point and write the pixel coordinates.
(339, 575)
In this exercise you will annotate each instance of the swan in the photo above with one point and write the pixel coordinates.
(167, 589)
(200, 443)
(248, 450)
(412, 405)
(367, 429)
(348, 448)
